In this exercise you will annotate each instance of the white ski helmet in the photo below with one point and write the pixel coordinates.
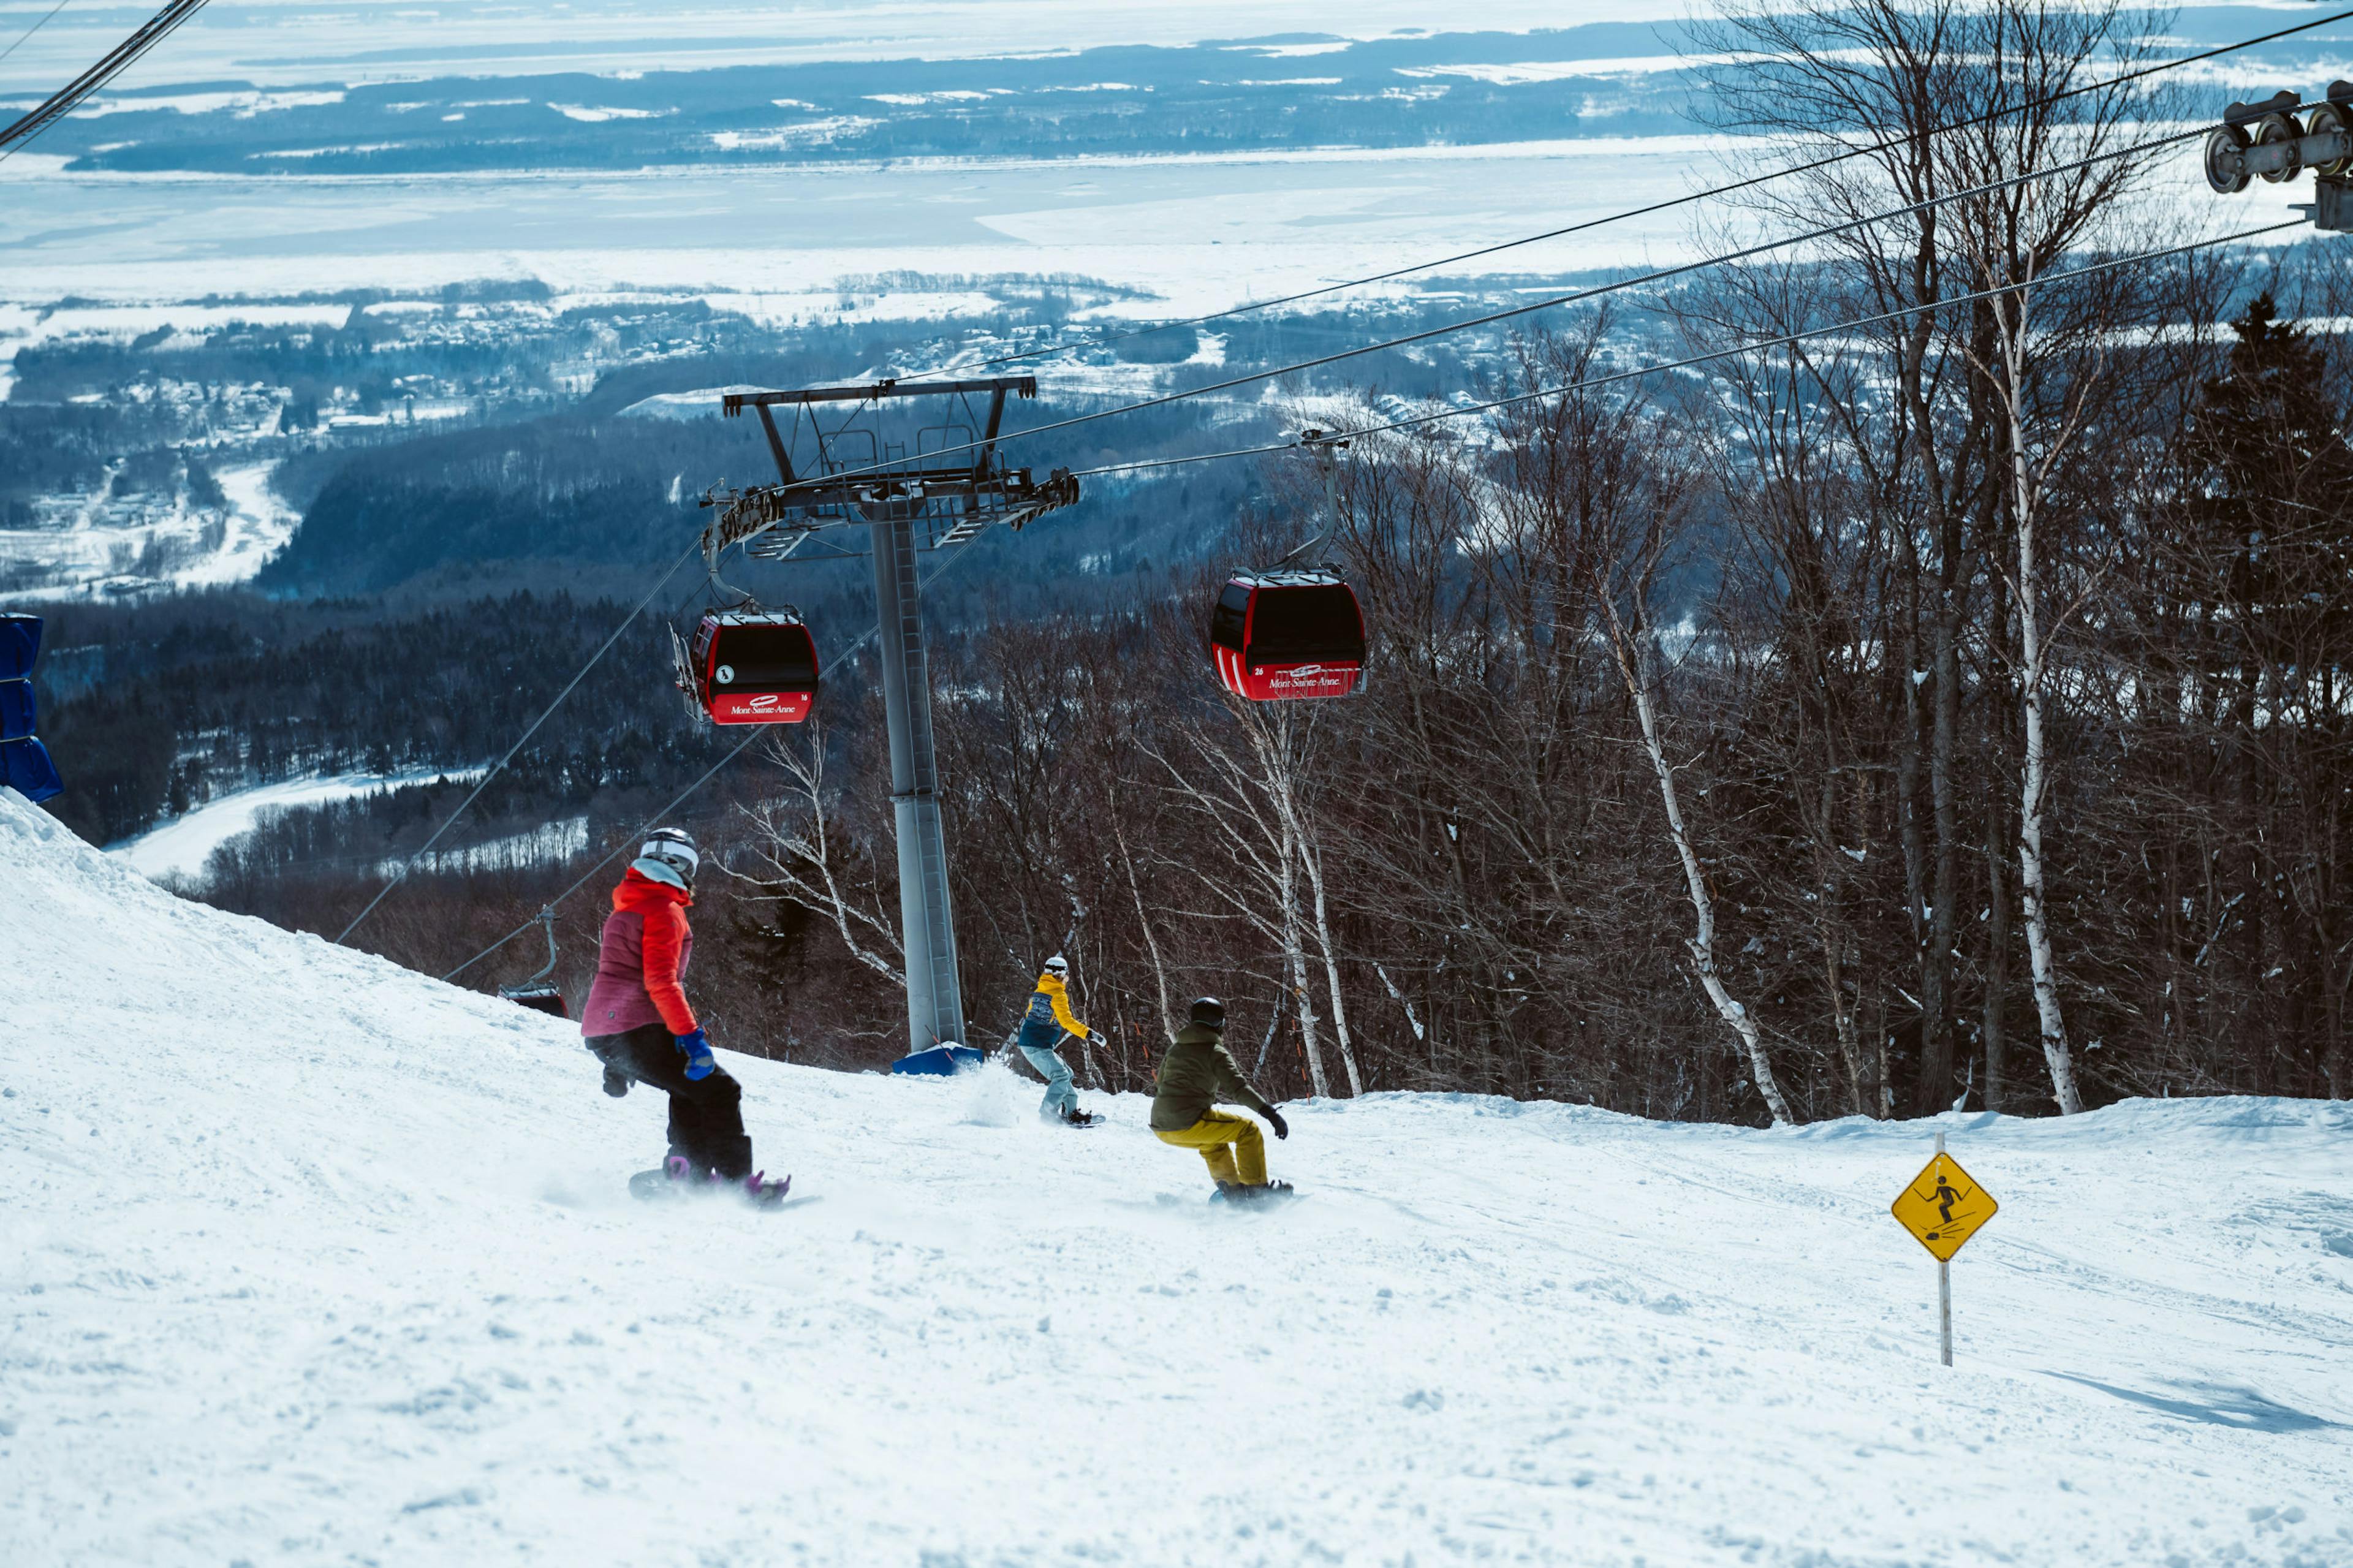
(1057, 964)
(669, 856)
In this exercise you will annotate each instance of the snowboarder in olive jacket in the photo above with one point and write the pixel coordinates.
(639, 1024)
(1198, 1072)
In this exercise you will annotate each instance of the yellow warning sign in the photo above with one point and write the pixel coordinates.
(1943, 1206)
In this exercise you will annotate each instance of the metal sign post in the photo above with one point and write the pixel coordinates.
(1943, 1208)
(1943, 1290)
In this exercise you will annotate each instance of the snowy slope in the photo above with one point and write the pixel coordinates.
(304, 1258)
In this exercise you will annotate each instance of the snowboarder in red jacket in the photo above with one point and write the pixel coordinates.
(639, 1024)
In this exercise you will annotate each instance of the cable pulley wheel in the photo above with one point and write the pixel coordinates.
(2326, 119)
(2226, 168)
(2274, 129)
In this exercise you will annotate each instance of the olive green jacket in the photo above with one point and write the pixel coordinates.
(1196, 1073)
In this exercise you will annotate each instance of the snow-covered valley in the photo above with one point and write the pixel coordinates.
(97, 545)
(178, 849)
(308, 1259)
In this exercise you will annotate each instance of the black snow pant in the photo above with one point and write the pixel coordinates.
(706, 1115)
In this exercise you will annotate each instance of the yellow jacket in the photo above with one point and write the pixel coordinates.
(1050, 1016)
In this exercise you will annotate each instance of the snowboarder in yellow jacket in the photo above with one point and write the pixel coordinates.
(1042, 1028)
(1198, 1072)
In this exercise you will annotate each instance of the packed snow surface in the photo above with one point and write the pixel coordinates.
(306, 1259)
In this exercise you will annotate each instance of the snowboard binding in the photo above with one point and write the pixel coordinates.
(680, 1177)
(1242, 1195)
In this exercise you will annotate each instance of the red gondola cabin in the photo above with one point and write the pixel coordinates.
(754, 667)
(1286, 634)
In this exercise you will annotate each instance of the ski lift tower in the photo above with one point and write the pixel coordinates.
(954, 485)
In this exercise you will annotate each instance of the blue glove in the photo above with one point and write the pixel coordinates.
(699, 1065)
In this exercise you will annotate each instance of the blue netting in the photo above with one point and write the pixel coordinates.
(25, 767)
(20, 641)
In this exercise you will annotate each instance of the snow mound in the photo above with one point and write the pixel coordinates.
(306, 1259)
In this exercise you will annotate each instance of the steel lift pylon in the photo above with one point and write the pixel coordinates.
(905, 505)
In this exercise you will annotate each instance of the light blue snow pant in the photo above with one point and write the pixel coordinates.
(1062, 1097)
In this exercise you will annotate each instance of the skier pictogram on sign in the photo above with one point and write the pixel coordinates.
(1943, 1206)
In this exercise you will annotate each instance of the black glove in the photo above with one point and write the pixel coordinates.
(1274, 1118)
(617, 1082)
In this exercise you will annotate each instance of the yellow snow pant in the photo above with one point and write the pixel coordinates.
(1245, 1163)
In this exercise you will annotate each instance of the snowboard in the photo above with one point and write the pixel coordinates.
(655, 1187)
(1288, 1197)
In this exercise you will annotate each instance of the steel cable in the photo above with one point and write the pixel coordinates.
(402, 875)
(1712, 193)
(120, 58)
(1711, 357)
(1578, 296)
(36, 27)
(851, 651)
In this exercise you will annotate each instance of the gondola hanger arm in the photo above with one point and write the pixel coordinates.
(1327, 447)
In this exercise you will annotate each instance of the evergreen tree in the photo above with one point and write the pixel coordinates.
(2271, 494)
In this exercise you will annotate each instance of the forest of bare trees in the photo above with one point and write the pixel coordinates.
(1936, 696)
(1948, 711)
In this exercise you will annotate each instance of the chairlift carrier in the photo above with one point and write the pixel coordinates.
(539, 992)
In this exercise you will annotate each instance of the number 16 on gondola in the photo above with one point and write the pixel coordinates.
(1942, 1208)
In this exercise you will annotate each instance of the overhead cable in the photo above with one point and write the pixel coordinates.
(1754, 345)
(406, 864)
(60, 103)
(1711, 193)
(1577, 296)
(647, 826)
(36, 27)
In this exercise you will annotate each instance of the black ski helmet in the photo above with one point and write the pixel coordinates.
(1209, 1012)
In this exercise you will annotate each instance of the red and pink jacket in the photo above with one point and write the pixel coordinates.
(644, 952)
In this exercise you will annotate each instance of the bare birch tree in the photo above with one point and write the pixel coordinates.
(797, 844)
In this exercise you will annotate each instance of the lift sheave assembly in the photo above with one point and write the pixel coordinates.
(2266, 142)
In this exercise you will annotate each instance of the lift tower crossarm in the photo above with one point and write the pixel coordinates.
(952, 502)
(734, 403)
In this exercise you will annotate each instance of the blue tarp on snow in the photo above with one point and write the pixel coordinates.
(24, 765)
(941, 1061)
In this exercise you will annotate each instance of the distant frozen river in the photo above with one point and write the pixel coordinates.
(1202, 231)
